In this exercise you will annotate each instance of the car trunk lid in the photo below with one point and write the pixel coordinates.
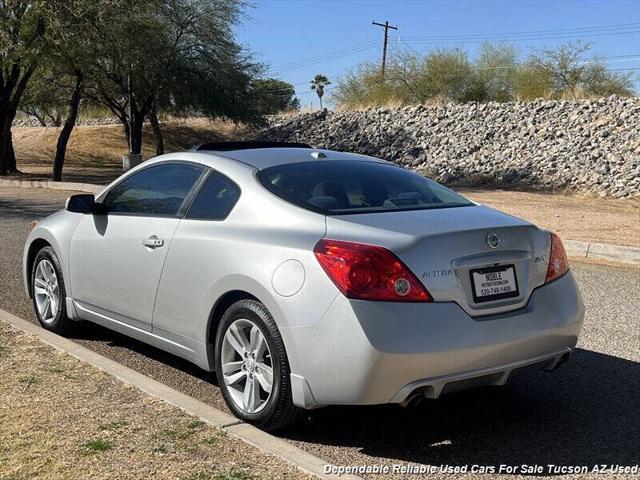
(460, 254)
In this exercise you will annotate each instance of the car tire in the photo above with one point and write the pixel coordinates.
(243, 376)
(49, 293)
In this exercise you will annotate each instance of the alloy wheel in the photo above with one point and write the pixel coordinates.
(247, 366)
(46, 291)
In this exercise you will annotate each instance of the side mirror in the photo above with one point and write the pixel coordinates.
(84, 203)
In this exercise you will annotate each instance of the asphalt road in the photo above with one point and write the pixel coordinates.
(586, 413)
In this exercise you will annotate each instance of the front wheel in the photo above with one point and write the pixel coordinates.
(252, 367)
(49, 294)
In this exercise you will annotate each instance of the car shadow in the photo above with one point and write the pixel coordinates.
(586, 413)
(28, 208)
(93, 333)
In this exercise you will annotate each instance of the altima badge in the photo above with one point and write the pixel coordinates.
(442, 272)
(493, 240)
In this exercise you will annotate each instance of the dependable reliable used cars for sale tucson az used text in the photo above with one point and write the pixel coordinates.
(306, 277)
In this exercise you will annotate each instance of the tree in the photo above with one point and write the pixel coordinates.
(495, 75)
(445, 74)
(43, 50)
(532, 83)
(56, 88)
(318, 83)
(600, 82)
(69, 123)
(411, 79)
(569, 75)
(22, 34)
(42, 98)
(176, 56)
(496, 69)
(562, 66)
(275, 96)
(129, 53)
(71, 59)
(362, 87)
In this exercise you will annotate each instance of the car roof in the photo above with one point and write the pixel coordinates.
(262, 158)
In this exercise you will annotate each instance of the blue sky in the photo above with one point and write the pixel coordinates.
(333, 36)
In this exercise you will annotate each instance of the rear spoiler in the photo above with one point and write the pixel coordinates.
(228, 146)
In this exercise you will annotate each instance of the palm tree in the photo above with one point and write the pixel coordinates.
(318, 83)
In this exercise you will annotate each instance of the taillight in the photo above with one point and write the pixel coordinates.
(369, 272)
(558, 263)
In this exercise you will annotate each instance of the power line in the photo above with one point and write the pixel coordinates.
(576, 30)
(327, 55)
(592, 31)
(604, 30)
(309, 64)
(423, 41)
(332, 52)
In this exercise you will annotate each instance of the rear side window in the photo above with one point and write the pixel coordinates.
(158, 190)
(337, 187)
(216, 198)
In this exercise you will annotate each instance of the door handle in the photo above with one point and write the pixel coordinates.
(153, 242)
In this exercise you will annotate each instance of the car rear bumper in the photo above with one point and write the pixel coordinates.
(498, 375)
(381, 352)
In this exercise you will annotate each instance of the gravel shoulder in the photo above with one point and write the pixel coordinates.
(61, 418)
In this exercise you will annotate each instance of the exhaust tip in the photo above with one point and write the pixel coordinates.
(557, 362)
(413, 400)
(418, 396)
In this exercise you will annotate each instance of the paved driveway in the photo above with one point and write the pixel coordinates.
(586, 413)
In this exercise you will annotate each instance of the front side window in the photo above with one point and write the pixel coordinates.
(216, 198)
(158, 190)
(336, 187)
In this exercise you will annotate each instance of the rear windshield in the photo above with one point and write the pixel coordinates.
(345, 186)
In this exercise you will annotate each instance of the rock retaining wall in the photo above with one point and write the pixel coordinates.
(590, 145)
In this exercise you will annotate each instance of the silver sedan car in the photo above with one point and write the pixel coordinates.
(307, 277)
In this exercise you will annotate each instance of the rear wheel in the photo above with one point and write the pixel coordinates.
(49, 294)
(252, 367)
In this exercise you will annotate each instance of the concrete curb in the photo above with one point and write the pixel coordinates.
(78, 187)
(603, 251)
(599, 251)
(249, 434)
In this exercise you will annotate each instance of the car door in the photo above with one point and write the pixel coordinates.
(202, 244)
(116, 258)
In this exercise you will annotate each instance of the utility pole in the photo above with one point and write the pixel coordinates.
(386, 27)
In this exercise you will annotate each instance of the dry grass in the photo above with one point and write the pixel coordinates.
(389, 104)
(574, 217)
(62, 419)
(96, 151)
(392, 104)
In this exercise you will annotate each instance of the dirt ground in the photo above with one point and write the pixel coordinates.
(94, 153)
(63, 419)
(573, 217)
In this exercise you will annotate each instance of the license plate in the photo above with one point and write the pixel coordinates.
(494, 283)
